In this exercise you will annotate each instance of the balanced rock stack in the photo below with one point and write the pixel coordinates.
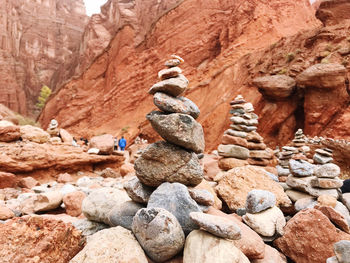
(313, 180)
(241, 144)
(163, 171)
(299, 139)
(323, 156)
(263, 216)
(283, 162)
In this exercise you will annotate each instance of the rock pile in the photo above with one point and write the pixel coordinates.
(299, 139)
(241, 144)
(283, 162)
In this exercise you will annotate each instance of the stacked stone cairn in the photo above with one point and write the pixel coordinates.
(300, 142)
(241, 144)
(314, 180)
(54, 132)
(263, 216)
(284, 157)
(163, 209)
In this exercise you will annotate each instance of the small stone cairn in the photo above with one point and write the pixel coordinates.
(165, 169)
(54, 132)
(241, 144)
(283, 162)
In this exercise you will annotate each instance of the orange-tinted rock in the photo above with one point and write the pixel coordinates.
(73, 202)
(8, 180)
(228, 139)
(64, 178)
(276, 86)
(303, 230)
(238, 182)
(66, 136)
(28, 182)
(229, 163)
(105, 143)
(210, 166)
(9, 133)
(333, 12)
(126, 168)
(35, 239)
(271, 256)
(327, 200)
(206, 186)
(5, 213)
(335, 217)
(251, 244)
(32, 51)
(217, 56)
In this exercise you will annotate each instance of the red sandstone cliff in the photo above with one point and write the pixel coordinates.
(219, 40)
(36, 37)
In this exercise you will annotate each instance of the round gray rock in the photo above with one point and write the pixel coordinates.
(159, 233)
(175, 105)
(259, 200)
(301, 168)
(217, 225)
(179, 129)
(175, 199)
(342, 251)
(137, 191)
(164, 162)
(123, 214)
(202, 196)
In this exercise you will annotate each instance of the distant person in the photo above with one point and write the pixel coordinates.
(86, 141)
(122, 143)
(115, 143)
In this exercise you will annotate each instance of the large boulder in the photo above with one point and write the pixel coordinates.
(137, 191)
(47, 201)
(9, 132)
(111, 245)
(179, 129)
(276, 86)
(36, 239)
(238, 182)
(34, 134)
(164, 162)
(105, 143)
(176, 199)
(66, 137)
(202, 247)
(171, 104)
(303, 230)
(100, 202)
(159, 233)
(328, 75)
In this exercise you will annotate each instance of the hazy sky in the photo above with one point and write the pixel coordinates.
(93, 6)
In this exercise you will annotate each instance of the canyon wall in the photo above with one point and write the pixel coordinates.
(221, 42)
(36, 38)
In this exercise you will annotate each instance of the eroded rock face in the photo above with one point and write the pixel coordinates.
(300, 233)
(164, 162)
(37, 239)
(31, 51)
(276, 86)
(217, 62)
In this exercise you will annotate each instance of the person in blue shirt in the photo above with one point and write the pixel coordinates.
(122, 143)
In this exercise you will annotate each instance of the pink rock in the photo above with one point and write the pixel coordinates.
(28, 182)
(5, 213)
(64, 178)
(8, 180)
(73, 202)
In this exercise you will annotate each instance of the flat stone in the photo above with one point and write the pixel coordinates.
(234, 151)
(241, 127)
(123, 214)
(327, 200)
(239, 120)
(202, 247)
(342, 251)
(236, 133)
(172, 62)
(171, 104)
(228, 139)
(304, 203)
(282, 171)
(266, 223)
(290, 148)
(176, 199)
(202, 196)
(137, 191)
(263, 154)
(216, 225)
(259, 200)
(296, 195)
(328, 170)
(164, 162)
(256, 146)
(324, 153)
(237, 112)
(336, 218)
(159, 233)
(319, 159)
(169, 73)
(173, 87)
(301, 168)
(326, 183)
(179, 129)
(228, 163)
(254, 137)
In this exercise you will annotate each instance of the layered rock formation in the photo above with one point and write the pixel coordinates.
(110, 94)
(36, 38)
